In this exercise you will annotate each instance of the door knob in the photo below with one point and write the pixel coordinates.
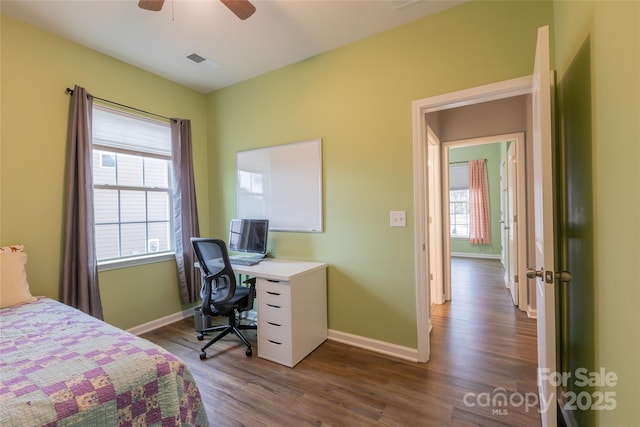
(564, 276)
(533, 273)
(549, 276)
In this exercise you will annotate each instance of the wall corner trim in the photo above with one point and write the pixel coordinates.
(401, 352)
(163, 321)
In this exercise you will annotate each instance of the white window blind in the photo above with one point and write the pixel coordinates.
(459, 176)
(122, 131)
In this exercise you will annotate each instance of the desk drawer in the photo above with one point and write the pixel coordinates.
(274, 350)
(274, 287)
(271, 298)
(278, 314)
(275, 332)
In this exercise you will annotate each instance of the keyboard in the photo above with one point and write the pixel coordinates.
(244, 261)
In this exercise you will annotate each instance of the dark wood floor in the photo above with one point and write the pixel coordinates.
(482, 347)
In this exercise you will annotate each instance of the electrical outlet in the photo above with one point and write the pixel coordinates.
(398, 218)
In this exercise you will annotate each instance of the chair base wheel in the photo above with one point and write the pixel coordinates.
(203, 355)
(249, 352)
(200, 337)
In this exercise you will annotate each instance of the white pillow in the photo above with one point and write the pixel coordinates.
(14, 288)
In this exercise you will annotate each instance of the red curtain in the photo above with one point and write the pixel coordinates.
(479, 227)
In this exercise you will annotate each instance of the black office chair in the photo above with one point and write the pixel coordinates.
(220, 295)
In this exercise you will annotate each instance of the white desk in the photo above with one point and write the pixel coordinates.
(292, 308)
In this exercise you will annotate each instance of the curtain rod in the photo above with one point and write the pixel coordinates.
(70, 92)
(463, 161)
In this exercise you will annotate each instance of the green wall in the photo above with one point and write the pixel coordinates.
(606, 35)
(491, 152)
(36, 69)
(358, 100)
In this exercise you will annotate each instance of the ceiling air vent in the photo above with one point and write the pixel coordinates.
(204, 61)
(196, 58)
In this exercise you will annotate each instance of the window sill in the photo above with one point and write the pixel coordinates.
(131, 262)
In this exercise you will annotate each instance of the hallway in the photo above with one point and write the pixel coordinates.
(488, 343)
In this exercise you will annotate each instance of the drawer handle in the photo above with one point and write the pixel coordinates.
(275, 342)
(274, 324)
(273, 281)
(274, 306)
(273, 293)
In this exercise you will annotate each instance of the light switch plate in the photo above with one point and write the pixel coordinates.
(398, 218)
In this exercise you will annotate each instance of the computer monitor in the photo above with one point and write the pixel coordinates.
(249, 235)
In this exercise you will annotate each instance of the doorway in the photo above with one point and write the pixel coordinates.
(541, 234)
(421, 110)
(504, 160)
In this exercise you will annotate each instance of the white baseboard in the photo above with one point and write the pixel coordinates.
(163, 321)
(532, 313)
(473, 255)
(401, 352)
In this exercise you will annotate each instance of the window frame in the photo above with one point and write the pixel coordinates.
(143, 258)
(458, 182)
(452, 211)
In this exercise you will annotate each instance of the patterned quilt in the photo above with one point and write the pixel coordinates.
(61, 367)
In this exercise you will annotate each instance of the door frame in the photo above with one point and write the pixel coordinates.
(518, 140)
(420, 108)
(435, 213)
(503, 217)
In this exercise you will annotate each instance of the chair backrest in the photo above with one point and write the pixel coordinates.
(218, 278)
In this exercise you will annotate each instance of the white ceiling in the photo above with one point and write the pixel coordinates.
(280, 32)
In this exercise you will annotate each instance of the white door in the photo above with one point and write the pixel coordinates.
(511, 223)
(544, 268)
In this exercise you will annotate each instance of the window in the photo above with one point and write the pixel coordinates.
(459, 213)
(131, 185)
(459, 200)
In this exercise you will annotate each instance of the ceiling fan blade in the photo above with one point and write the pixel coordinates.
(241, 8)
(154, 5)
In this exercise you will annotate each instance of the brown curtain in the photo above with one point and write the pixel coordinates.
(479, 224)
(185, 211)
(80, 269)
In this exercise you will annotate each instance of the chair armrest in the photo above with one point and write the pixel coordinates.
(252, 293)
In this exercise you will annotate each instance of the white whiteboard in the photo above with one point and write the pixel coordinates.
(283, 184)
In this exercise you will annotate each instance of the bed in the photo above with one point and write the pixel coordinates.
(59, 367)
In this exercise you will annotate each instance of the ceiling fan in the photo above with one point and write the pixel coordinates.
(241, 8)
